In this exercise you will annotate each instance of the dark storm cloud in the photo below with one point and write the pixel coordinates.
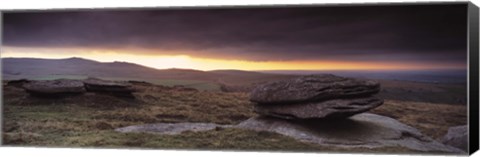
(420, 32)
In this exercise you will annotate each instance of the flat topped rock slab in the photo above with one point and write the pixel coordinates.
(99, 82)
(97, 85)
(312, 88)
(336, 108)
(54, 87)
(362, 130)
(17, 83)
(169, 128)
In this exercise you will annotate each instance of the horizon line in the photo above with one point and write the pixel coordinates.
(176, 68)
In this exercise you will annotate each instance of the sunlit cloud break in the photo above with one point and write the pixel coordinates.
(310, 37)
(187, 62)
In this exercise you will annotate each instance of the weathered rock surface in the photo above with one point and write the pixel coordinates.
(336, 108)
(52, 88)
(107, 86)
(183, 88)
(312, 88)
(17, 83)
(169, 128)
(362, 130)
(457, 137)
(122, 89)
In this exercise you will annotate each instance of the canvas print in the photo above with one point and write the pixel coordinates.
(338, 78)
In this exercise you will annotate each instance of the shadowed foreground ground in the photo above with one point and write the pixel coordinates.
(88, 121)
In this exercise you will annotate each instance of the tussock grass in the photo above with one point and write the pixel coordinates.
(431, 119)
(55, 120)
(89, 120)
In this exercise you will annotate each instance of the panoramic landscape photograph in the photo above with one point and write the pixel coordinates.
(344, 79)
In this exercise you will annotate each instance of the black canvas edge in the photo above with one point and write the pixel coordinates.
(244, 6)
(473, 94)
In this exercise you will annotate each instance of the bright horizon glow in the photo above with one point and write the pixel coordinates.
(187, 62)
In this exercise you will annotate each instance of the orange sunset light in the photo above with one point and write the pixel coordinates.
(189, 62)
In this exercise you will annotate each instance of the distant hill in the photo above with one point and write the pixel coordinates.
(15, 68)
(32, 68)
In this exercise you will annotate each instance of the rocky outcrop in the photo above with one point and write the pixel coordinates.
(336, 108)
(457, 137)
(64, 87)
(312, 88)
(322, 109)
(316, 96)
(121, 89)
(54, 88)
(360, 131)
(183, 88)
(17, 83)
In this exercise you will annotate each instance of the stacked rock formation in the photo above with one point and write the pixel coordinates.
(54, 88)
(321, 109)
(121, 89)
(66, 87)
(316, 96)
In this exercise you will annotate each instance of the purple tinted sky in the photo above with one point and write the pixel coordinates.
(418, 33)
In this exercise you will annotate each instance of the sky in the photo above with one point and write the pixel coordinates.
(394, 37)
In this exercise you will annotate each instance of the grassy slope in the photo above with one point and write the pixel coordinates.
(89, 120)
(431, 119)
(424, 92)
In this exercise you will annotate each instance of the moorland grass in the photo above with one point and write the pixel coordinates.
(89, 120)
(431, 119)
